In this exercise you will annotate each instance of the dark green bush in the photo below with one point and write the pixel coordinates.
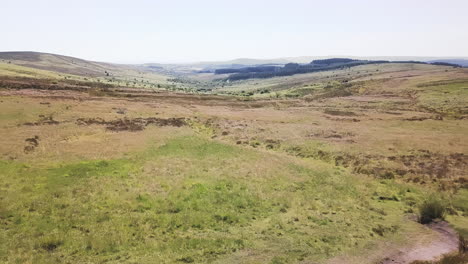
(462, 244)
(431, 209)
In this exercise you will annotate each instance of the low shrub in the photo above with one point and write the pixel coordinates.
(431, 209)
(462, 244)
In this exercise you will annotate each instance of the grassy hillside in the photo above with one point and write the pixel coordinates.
(57, 63)
(57, 67)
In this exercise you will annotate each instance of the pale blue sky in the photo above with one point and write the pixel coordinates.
(180, 31)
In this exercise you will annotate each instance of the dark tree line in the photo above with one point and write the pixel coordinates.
(290, 68)
(248, 69)
(446, 64)
(268, 71)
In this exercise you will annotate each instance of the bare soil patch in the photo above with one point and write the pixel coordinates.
(446, 242)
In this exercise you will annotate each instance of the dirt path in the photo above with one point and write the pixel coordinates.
(446, 242)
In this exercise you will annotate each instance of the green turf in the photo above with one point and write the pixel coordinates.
(192, 200)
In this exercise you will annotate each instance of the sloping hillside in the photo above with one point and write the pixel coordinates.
(52, 66)
(58, 63)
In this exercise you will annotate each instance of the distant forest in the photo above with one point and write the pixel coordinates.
(268, 71)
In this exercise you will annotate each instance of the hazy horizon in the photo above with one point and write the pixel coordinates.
(162, 32)
(298, 59)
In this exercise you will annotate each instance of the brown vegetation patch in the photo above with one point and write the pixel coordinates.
(435, 165)
(415, 118)
(136, 124)
(272, 143)
(43, 120)
(339, 112)
(331, 134)
(32, 143)
(45, 84)
(392, 113)
(421, 167)
(343, 119)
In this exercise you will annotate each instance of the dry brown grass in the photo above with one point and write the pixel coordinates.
(372, 127)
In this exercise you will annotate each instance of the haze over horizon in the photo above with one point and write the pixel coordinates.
(187, 31)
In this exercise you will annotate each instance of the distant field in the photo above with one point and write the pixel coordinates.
(310, 168)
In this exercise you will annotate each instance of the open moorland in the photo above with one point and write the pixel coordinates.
(104, 163)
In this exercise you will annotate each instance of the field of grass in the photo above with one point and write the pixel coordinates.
(190, 199)
(314, 177)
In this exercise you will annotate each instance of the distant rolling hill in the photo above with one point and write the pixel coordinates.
(60, 63)
(212, 66)
(39, 65)
(308, 59)
(76, 66)
(269, 71)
